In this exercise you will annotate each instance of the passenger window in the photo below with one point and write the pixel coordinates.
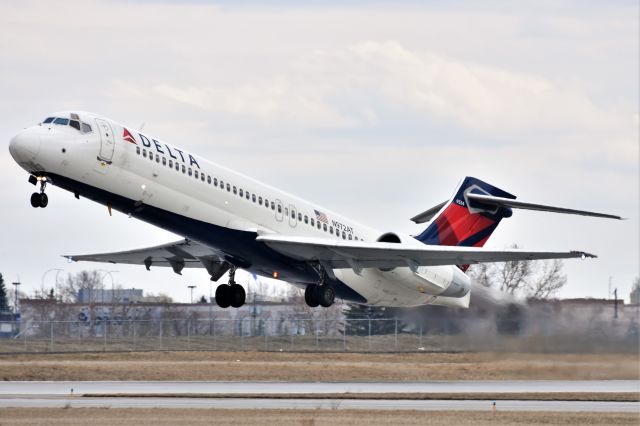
(209, 179)
(75, 124)
(260, 200)
(279, 208)
(157, 158)
(293, 214)
(86, 128)
(184, 169)
(195, 173)
(235, 190)
(170, 163)
(312, 224)
(241, 192)
(138, 150)
(247, 195)
(164, 161)
(286, 211)
(215, 181)
(344, 236)
(324, 226)
(318, 224)
(253, 198)
(48, 120)
(266, 203)
(331, 230)
(189, 171)
(306, 219)
(144, 153)
(300, 217)
(228, 188)
(273, 206)
(349, 236)
(150, 155)
(202, 177)
(177, 166)
(61, 121)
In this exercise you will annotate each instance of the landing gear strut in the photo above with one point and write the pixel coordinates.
(320, 294)
(40, 199)
(231, 294)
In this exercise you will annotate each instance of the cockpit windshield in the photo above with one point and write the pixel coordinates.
(74, 122)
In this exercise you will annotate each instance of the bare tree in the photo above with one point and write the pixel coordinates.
(550, 280)
(89, 280)
(537, 279)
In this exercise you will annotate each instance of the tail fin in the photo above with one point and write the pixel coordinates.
(459, 224)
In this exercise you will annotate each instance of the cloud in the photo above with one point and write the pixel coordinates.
(357, 85)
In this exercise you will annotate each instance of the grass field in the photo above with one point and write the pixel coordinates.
(143, 416)
(257, 366)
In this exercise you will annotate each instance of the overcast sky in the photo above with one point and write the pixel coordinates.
(372, 109)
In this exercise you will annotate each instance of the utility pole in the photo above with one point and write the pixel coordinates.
(191, 287)
(615, 304)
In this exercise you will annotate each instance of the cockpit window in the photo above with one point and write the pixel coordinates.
(86, 128)
(48, 120)
(61, 121)
(75, 124)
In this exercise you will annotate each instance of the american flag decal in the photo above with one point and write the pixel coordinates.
(321, 217)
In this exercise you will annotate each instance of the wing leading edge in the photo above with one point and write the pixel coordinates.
(358, 254)
(178, 255)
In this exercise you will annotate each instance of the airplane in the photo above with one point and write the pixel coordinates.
(229, 221)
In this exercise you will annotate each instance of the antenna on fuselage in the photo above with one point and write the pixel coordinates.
(141, 127)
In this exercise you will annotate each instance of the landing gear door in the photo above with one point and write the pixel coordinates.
(107, 141)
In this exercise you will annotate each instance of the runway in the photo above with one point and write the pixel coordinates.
(311, 404)
(113, 394)
(166, 387)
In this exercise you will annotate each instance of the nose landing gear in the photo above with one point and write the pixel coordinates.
(40, 199)
(231, 294)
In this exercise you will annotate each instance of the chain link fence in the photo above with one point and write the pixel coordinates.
(312, 335)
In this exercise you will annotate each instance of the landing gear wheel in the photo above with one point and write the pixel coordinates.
(238, 295)
(223, 293)
(35, 199)
(44, 200)
(311, 295)
(326, 295)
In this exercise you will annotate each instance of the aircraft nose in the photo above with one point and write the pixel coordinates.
(25, 145)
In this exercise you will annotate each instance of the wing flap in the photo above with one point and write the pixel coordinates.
(343, 254)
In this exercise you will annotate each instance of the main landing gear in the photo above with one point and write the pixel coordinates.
(321, 294)
(40, 199)
(231, 294)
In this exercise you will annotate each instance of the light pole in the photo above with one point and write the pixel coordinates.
(110, 273)
(15, 303)
(191, 287)
(58, 270)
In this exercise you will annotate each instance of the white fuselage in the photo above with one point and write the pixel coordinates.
(130, 165)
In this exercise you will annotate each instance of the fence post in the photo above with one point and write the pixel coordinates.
(50, 335)
(189, 334)
(315, 324)
(291, 332)
(369, 334)
(266, 338)
(241, 335)
(215, 343)
(134, 333)
(104, 334)
(344, 336)
(395, 333)
(160, 337)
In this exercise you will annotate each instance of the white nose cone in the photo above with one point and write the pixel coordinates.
(24, 146)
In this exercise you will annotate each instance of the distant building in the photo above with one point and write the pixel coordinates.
(87, 295)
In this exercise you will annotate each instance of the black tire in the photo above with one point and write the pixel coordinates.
(238, 295)
(311, 295)
(44, 200)
(222, 295)
(326, 295)
(35, 200)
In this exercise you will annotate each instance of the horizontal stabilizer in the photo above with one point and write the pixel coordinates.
(427, 215)
(481, 201)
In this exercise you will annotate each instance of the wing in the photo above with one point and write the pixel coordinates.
(178, 255)
(358, 254)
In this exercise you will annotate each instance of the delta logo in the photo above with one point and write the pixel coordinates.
(127, 136)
